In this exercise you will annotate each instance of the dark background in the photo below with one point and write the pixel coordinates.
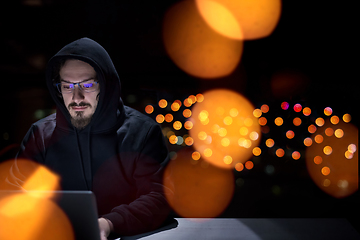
(313, 40)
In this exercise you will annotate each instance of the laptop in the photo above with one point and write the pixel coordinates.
(79, 207)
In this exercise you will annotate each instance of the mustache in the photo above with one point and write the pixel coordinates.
(81, 104)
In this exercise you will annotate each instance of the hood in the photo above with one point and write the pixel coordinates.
(109, 105)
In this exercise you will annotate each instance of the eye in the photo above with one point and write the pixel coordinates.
(88, 85)
(67, 86)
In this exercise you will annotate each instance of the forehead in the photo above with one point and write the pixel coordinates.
(74, 69)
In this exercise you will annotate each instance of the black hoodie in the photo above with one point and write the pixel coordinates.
(119, 155)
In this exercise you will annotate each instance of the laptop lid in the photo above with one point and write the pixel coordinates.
(77, 207)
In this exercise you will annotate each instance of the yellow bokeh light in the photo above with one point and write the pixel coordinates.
(327, 150)
(160, 118)
(228, 160)
(187, 102)
(234, 112)
(189, 141)
(187, 113)
(149, 109)
(228, 120)
(195, 47)
(226, 139)
(208, 152)
(328, 111)
(163, 103)
(244, 131)
(339, 133)
(225, 142)
(199, 97)
(269, 143)
(173, 139)
(256, 151)
(222, 132)
(195, 155)
(334, 119)
(188, 125)
(177, 125)
(257, 113)
(346, 117)
(279, 121)
(307, 111)
(242, 19)
(325, 171)
(352, 148)
(175, 106)
(320, 121)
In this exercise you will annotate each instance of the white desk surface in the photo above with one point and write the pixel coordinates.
(254, 229)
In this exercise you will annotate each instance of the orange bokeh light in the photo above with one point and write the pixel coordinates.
(32, 213)
(195, 47)
(328, 163)
(242, 19)
(235, 138)
(196, 188)
(149, 109)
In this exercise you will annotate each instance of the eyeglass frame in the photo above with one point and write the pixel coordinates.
(58, 85)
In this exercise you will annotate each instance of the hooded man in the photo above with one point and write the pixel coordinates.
(94, 142)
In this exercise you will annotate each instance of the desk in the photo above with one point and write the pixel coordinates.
(254, 229)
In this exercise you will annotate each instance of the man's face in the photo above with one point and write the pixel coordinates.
(80, 104)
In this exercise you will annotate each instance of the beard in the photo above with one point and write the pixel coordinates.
(79, 120)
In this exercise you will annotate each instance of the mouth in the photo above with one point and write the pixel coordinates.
(79, 107)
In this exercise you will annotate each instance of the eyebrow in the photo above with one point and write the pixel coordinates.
(62, 80)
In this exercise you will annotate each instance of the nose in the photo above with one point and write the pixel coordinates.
(78, 95)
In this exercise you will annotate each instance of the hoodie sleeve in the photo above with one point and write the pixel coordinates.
(150, 208)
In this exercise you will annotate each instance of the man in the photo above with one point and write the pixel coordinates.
(94, 142)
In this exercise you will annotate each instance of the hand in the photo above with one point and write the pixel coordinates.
(104, 227)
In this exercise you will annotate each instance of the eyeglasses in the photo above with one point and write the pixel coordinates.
(86, 86)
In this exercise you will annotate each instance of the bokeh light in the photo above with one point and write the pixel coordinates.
(290, 134)
(346, 117)
(195, 188)
(219, 131)
(242, 19)
(175, 106)
(278, 121)
(163, 103)
(160, 118)
(169, 117)
(285, 105)
(280, 152)
(296, 155)
(149, 109)
(297, 107)
(30, 213)
(307, 111)
(328, 161)
(195, 47)
(25, 216)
